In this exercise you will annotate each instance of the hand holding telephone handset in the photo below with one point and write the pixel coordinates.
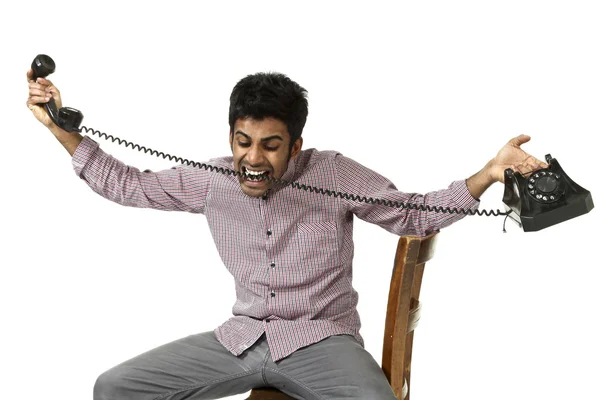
(67, 118)
(546, 198)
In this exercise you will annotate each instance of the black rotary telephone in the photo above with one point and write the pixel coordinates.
(545, 198)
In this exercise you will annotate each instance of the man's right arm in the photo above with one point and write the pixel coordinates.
(69, 140)
(179, 188)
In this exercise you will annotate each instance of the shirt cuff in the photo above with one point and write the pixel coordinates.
(465, 196)
(84, 152)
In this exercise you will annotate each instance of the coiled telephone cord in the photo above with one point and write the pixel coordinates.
(297, 185)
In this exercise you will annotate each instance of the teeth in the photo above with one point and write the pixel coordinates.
(254, 175)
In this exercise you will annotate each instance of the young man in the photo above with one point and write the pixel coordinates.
(295, 324)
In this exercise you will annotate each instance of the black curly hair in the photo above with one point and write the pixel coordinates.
(270, 94)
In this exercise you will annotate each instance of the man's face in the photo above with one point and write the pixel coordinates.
(261, 148)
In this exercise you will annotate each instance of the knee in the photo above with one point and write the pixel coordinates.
(110, 385)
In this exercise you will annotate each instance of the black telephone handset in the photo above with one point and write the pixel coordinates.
(67, 118)
(545, 198)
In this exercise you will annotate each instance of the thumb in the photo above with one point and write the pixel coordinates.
(30, 75)
(519, 140)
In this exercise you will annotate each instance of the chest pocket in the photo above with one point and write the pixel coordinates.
(318, 244)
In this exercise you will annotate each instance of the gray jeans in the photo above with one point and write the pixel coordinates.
(199, 367)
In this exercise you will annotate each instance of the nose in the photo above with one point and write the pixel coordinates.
(255, 156)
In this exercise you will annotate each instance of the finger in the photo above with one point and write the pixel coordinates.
(33, 85)
(523, 169)
(30, 75)
(519, 140)
(529, 165)
(38, 92)
(536, 164)
(44, 81)
(517, 168)
(36, 100)
(52, 90)
(531, 161)
(49, 86)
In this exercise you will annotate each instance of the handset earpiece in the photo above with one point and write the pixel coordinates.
(67, 118)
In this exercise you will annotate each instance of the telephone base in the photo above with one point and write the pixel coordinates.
(544, 198)
(532, 223)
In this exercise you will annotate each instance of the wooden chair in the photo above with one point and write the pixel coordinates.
(403, 314)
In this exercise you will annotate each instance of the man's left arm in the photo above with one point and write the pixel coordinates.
(510, 156)
(357, 179)
(463, 194)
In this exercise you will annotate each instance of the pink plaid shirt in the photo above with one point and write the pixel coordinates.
(289, 253)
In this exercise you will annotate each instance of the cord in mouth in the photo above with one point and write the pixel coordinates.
(254, 176)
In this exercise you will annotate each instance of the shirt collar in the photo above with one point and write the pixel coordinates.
(289, 175)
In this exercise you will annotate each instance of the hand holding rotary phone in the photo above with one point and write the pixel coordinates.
(544, 198)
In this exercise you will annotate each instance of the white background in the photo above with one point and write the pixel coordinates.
(423, 92)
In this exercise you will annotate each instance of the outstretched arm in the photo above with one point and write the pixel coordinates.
(355, 178)
(179, 188)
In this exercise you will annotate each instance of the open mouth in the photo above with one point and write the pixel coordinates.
(254, 175)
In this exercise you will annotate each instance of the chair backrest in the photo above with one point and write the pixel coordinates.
(404, 309)
(403, 314)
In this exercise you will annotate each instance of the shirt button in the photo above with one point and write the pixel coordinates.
(269, 232)
(272, 264)
(268, 320)
(272, 293)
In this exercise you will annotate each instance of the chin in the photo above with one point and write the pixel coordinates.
(254, 191)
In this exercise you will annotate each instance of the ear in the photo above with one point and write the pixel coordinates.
(296, 147)
(231, 140)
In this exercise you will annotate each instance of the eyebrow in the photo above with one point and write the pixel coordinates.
(262, 140)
